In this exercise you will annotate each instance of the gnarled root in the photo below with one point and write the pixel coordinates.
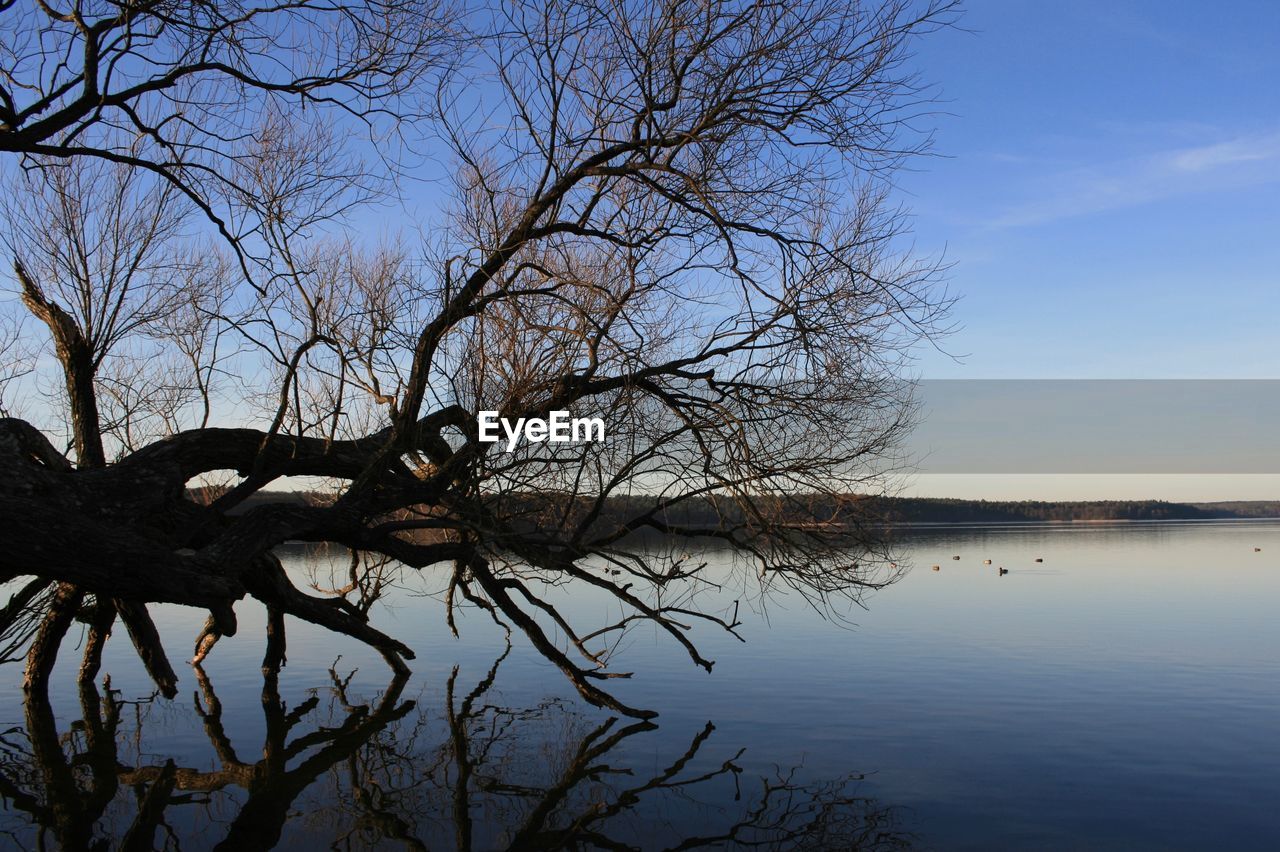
(146, 639)
(44, 648)
(101, 620)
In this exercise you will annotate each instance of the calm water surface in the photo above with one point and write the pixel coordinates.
(1120, 695)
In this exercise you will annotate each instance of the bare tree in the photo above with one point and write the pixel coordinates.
(93, 247)
(675, 217)
(180, 90)
(96, 261)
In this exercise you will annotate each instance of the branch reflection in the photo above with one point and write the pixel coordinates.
(352, 774)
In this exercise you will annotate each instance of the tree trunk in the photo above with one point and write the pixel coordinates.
(77, 364)
(76, 356)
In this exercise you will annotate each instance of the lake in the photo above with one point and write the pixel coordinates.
(1121, 694)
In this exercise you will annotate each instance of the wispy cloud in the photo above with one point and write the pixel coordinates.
(1240, 162)
(1227, 154)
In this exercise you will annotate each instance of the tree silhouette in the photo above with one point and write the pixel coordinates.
(674, 217)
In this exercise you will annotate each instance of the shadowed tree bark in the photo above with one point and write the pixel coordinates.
(673, 217)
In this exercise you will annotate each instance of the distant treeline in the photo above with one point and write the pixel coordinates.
(848, 510)
(942, 510)
(1242, 508)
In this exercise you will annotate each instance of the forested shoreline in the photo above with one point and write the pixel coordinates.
(861, 509)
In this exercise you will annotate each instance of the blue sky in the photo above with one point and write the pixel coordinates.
(1107, 188)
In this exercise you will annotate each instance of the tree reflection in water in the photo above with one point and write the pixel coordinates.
(387, 774)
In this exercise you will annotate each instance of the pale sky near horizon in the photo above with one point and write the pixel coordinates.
(1107, 190)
